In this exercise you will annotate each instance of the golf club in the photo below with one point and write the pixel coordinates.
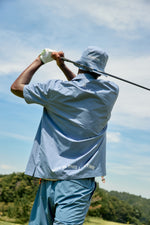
(106, 74)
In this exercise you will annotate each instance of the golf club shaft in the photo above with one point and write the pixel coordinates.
(106, 74)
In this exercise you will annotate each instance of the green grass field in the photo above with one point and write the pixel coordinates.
(89, 221)
(8, 223)
(97, 221)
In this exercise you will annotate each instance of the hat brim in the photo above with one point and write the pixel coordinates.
(88, 67)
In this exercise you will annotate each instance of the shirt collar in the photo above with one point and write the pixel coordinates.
(84, 76)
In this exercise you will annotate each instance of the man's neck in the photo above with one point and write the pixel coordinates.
(95, 75)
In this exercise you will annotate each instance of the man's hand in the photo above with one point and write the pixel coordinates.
(48, 55)
(57, 56)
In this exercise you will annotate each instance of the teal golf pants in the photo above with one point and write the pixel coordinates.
(63, 202)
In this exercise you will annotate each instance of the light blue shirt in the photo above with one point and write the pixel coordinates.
(71, 139)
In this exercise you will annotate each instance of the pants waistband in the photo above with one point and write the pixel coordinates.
(49, 179)
(42, 179)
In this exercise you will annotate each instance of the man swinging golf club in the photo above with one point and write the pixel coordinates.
(69, 149)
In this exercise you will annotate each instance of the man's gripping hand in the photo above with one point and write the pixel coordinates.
(46, 55)
(57, 56)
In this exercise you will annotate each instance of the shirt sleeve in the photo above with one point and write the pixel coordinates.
(112, 94)
(39, 93)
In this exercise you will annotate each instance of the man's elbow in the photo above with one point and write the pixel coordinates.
(13, 89)
(16, 90)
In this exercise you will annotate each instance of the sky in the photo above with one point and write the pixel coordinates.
(122, 29)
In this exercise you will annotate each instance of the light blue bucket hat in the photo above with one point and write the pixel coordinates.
(93, 58)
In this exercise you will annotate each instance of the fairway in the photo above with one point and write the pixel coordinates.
(88, 221)
(98, 221)
(8, 223)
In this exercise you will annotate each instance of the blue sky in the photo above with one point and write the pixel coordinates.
(122, 29)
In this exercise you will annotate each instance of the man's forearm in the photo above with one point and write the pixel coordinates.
(60, 63)
(68, 73)
(25, 77)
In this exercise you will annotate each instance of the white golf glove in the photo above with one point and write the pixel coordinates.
(46, 55)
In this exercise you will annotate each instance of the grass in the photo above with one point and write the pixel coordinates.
(98, 221)
(8, 223)
(88, 221)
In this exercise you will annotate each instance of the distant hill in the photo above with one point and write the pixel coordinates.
(139, 202)
(17, 193)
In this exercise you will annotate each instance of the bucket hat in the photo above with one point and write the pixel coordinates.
(93, 58)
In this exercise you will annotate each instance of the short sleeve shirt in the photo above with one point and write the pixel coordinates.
(71, 139)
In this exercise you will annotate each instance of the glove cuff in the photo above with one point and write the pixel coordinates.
(46, 55)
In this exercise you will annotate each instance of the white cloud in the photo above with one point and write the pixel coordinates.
(9, 67)
(126, 184)
(6, 167)
(113, 137)
(128, 169)
(132, 108)
(120, 15)
(120, 169)
(16, 136)
(117, 15)
(15, 52)
(135, 166)
(16, 57)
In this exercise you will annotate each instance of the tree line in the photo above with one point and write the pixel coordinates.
(17, 194)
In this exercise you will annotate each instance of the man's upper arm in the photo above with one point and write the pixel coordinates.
(39, 93)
